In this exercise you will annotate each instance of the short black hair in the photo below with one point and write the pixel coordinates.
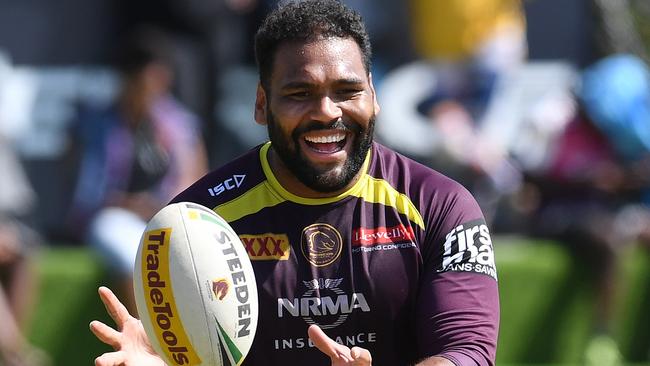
(305, 21)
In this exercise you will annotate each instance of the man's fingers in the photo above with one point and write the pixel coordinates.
(106, 334)
(111, 359)
(114, 307)
(361, 356)
(327, 345)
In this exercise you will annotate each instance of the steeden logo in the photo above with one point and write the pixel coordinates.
(321, 244)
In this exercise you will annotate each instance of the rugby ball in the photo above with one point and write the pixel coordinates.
(195, 288)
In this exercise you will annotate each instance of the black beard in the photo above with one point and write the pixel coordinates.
(325, 181)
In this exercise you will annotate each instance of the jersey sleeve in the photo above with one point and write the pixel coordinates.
(457, 312)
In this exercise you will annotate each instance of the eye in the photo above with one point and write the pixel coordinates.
(299, 95)
(349, 93)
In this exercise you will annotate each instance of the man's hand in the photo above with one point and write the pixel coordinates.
(338, 353)
(132, 347)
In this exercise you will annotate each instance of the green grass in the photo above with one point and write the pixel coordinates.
(545, 317)
(67, 302)
(547, 301)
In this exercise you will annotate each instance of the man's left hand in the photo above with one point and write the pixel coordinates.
(338, 353)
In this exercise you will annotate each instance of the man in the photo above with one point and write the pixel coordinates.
(399, 252)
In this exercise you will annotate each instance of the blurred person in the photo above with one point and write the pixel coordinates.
(594, 194)
(136, 155)
(465, 49)
(469, 45)
(206, 39)
(18, 280)
(407, 242)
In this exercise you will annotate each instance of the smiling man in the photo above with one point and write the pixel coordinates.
(319, 105)
(361, 255)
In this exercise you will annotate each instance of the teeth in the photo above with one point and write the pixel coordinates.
(326, 139)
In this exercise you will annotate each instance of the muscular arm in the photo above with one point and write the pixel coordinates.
(457, 311)
(461, 324)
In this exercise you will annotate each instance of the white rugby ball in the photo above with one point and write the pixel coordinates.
(195, 288)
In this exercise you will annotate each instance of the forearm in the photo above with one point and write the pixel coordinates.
(464, 330)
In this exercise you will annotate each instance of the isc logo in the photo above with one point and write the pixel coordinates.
(231, 183)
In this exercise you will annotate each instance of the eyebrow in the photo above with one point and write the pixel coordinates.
(304, 84)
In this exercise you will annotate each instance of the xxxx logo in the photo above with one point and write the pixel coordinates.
(266, 246)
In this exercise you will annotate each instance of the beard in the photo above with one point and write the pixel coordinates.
(320, 179)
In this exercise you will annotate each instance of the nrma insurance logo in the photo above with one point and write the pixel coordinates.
(468, 248)
(323, 303)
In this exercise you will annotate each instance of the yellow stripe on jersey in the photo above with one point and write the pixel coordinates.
(353, 191)
(380, 191)
(270, 193)
(254, 200)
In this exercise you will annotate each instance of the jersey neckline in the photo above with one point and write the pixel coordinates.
(275, 184)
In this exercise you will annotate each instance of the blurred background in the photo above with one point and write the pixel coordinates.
(540, 107)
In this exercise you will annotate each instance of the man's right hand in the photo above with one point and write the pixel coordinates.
(132, 347)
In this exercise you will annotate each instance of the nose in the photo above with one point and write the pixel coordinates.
(326, 110)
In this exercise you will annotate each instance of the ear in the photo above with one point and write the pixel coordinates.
(260, 105)
(374, 94)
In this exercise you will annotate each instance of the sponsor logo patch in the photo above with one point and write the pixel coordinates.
(324, 303)
(382, 235)
(321, 244)
(468, 248)
(239, 282)
(266, 246)
(229, 184)
(161, 306)
(359, 339)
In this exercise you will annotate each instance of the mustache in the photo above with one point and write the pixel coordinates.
(319, 126)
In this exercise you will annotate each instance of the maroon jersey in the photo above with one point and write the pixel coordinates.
(401, 264)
